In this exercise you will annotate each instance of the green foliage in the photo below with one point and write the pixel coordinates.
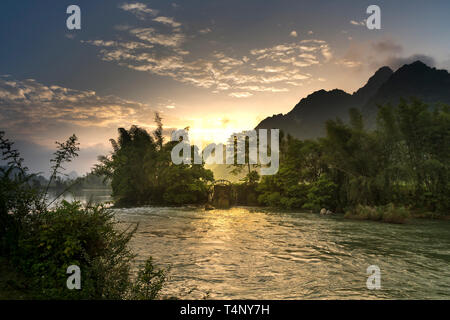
(295, 185)
(395, 214)
(41, 243)
(142, 173)
(321, 194)
(272, 199)
(403, 161)
(252, 178)
(84, 236)
(18, 197)
(148, 283)
(186, 184)
(389, 213)
(365, 213)
(249, 140)
(65, 152)
(75, 235)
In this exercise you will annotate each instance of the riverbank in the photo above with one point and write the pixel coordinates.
(409, 215)
(387, 214)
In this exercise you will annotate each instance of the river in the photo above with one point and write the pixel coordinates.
(252, 253)
(249, 253)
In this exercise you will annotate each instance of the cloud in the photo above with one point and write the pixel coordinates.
(256, 71)
(326, 52)
(358, 23)
(152, 36)
(139, 9)
(371, 55)
(271, 69)
(168, 21)
(349, 63)
(204, 31)
(122, 27)
(293, 53)
(157, 51)
(397, 62)
(240, 94)
(358, 56)
(293, 34)
(123, 44)
(387, 46)
(30, 104)
(263, 89)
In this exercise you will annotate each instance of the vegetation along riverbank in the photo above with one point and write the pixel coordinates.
(390, 172)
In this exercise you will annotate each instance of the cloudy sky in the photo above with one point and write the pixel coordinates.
(215, 65)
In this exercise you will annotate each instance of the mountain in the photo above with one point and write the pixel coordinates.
(72, 175)
(36, 180)
(374, 83)
(307, 119)
(412, 80)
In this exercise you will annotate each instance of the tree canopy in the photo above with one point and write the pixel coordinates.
(142, 173)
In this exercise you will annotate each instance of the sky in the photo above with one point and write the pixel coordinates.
(217, 66)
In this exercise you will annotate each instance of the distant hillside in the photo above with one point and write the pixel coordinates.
(37, 180)
(307, 119)
(412, 80)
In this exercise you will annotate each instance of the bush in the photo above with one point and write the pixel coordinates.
(322, 194)
(245, 194)
(395, 214)
(271, 199)
(41, 243)
(149, 282)
(291, 202)
(388, 213)
(293, 198)
(84, 236)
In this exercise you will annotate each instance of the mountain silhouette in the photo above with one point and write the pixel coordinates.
(416, 80)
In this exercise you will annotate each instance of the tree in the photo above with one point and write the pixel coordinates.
(142, 172)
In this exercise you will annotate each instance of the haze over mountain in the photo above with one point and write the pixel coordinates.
(307, 119)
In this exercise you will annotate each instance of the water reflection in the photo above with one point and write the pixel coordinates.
(255, 254)
(84, 196)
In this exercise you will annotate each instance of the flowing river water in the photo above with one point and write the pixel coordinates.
(253, 253)
(250, 253)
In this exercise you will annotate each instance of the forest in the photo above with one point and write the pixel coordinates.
(360, 169)
(402, 161)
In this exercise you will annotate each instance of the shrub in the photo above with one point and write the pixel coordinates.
(84, 236)
(148, 283)
(273, 199)
(42, 243)
(395, 214)
(321, 195)
(388, 213)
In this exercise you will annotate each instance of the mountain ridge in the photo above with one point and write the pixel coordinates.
(307, 119)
